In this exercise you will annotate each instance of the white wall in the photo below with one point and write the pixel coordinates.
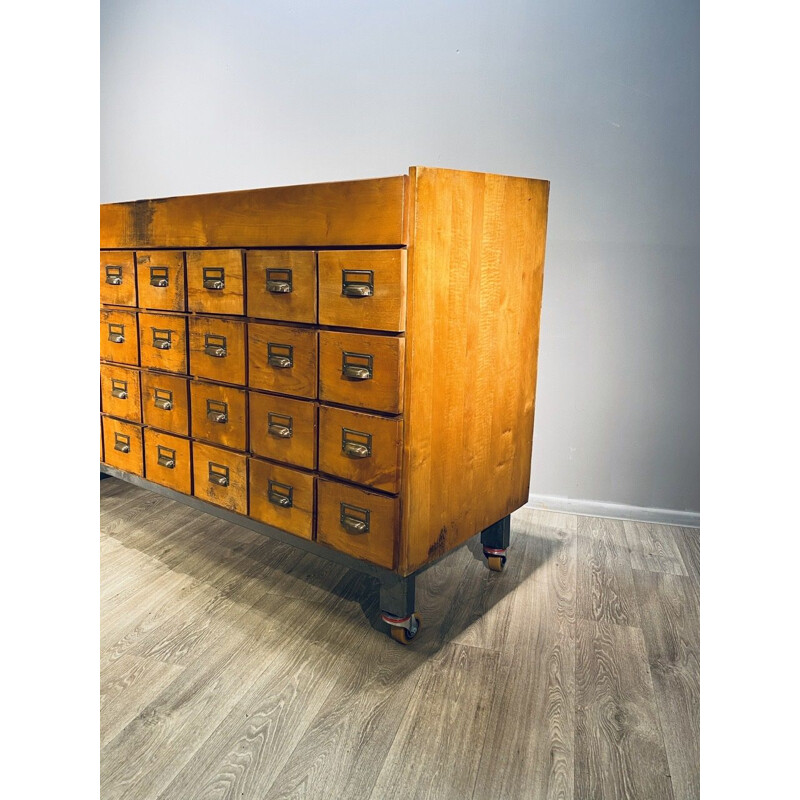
(601, 97)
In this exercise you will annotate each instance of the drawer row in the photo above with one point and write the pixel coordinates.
(355, 369)
(355, 521)
(341, 288)
(353, 445)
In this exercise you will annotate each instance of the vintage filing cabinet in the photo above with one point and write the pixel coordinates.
(349, 367)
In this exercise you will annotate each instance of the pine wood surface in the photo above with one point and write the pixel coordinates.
(233, 666)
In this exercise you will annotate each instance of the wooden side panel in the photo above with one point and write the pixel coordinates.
(368, 212)
(475, 269)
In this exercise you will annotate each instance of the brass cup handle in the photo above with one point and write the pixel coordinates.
(216, 351)
(122, 447)
(120, 394)
(164, 405)
(217, 416)
(279, 431)
(162, 344)
(278, 499)
(357, 290)
(166, 461)
(114, 280)
(354, 525)
(356, 373)
(215, 284)
(220, 480)
(159, 283)
(279, 287)
(117, 338)
(355, 450)
(280, 362)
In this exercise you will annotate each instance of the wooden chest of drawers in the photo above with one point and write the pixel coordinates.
(348, 366)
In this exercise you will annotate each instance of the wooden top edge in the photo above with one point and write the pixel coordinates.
(423, 168)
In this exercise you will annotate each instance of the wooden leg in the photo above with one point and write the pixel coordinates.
(397, 608)
(495, 540)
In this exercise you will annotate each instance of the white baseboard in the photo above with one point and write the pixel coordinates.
(595, 508)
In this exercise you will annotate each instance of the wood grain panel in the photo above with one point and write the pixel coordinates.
(340, 430)
(165, 402)
(268, 268)
(270, 415)
(367, 212)
(269, 483)
(376, 544)
(175, 453)
(475, 267)
(384, 309)
(161, 279)
(619, 750)
(219, 414)
(670, 614)
(207, 462)
(381, 392)
(117, 279)
(227, 266)
(210, 331)
(115, 323)
(654, 547)
(297, 344)
(157, 331)
(114, 382)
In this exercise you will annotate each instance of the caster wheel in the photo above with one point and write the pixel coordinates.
(496, 563)
(403, 635)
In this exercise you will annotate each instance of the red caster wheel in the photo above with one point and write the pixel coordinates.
(495, 558)
(403, 630)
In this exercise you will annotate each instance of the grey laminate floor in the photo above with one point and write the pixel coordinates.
(236, 667)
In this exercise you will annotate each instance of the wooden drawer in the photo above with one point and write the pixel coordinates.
(215, 280)
(162, 340)
(283, 429)
(161, 279)
(362, 370)
(282, 284)
(220, 477)
(168, 460)
(122, 445)
(219, 414)
(117, 278)
(217, 349)
(282, 359)
(119, 336)
(120, 392)
(357, 522)
(363, 289)
(362, 448)
(165, 402)
(282, 497)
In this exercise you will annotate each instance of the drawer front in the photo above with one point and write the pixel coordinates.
(165, 402)
(283, 429)
(215, 279)
(282, 359)
(119, 336)
(168, 460)
(219, 414)
(362, 370)
(161, 279)
(363, 289)
(220, 477)
(217, 349)
(282, 284)
(117, 278)
(122, 444)
(120, 392)
(362, 448)
(162, 340)
(282, 497)
(359, 523)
